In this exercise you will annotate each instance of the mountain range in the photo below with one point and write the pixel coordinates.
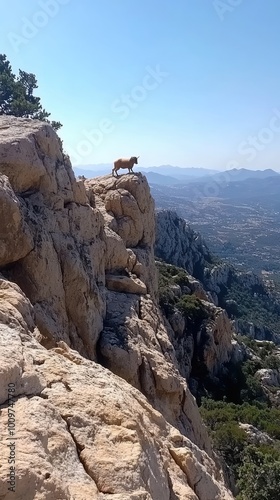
(168, 175)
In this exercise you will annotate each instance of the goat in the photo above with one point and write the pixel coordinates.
(124, 163)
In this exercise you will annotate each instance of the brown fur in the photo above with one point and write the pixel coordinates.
(124, 163)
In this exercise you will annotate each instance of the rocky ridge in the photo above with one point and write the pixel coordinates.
(101, 410)
(176, 243)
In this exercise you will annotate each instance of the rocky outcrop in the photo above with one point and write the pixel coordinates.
(126, 284)
(83, 433)
(87, 365)
(218, 348)
(255, 436)
(15, 235)
(176, 243)
(61, 237)
(202, 345)
(269, 376)
(128, 211)
(135, 342)
(255, 332)
(216, 279)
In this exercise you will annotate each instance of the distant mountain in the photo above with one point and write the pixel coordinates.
(92, 170)
(181, 178)
(153, 178)
(241, 174)
(161, 175)
(264, 192)
(180, 172)
(223, 178)
(159, 179)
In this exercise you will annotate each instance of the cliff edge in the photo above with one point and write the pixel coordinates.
(93, 404)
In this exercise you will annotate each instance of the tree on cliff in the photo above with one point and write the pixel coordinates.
(16, 94)
(259, 476)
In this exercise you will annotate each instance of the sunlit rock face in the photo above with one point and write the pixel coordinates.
(58, 258)
(87, 364)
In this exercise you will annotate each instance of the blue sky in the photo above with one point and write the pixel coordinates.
(193, 83)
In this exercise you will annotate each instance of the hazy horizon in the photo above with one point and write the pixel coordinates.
(105, 164)
(185, 83)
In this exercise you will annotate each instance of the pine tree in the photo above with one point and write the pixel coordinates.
(16, 94)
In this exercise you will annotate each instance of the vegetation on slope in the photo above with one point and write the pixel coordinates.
(251, 304)
(192, 308)
(242, 399)
(236, 396)
(252, 464)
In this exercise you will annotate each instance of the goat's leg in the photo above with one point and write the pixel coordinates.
(115, 171)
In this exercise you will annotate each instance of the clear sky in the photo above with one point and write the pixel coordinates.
(191, 83)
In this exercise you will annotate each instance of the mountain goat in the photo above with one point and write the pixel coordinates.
(124, 163)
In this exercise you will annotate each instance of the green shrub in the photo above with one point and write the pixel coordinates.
(253, 304)
(193, 309)
(230, 441)
(259, 475)
(253, 391)
(181, 279)
(261, 416)
(272, 362)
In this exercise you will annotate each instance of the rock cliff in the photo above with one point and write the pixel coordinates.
(93, 404)
(238, 292)
(201, 334)
(178, 244)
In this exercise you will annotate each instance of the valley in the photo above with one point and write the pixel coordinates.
(245, 231)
